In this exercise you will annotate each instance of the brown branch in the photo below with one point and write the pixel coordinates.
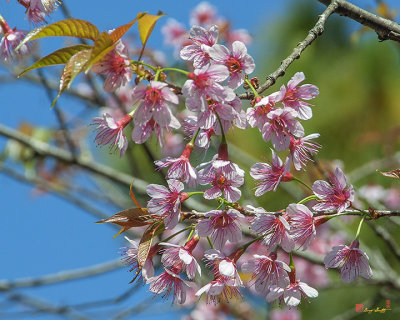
(313, 34)
(386, 29)
(87, 163)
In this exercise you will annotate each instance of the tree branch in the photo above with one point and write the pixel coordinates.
(315, 32)
(385, 29)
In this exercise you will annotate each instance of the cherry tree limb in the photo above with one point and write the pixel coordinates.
(386, 29)
(313, 34)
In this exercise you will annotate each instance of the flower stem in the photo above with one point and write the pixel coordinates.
(245, 246)
(251, 87)
(194, 137)
(222, 129)
(176, 70)
(210, 243)
(175, 234)
(145, 64)
(194, 193)
(307, 199)
(190, 235)
(359, 227)
(303, 183)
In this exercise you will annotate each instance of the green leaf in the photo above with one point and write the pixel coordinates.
(72, 68)
(120, 31)
(101, 47)
(65, 28)
(60, 56)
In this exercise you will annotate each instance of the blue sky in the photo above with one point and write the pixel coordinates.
(41, 234)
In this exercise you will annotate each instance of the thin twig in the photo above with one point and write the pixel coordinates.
(315, 32)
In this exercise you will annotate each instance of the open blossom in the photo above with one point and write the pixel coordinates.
(203, 139)
(292, 293)
(174, 33)
(169, 281)
(302, 224)
(280, 126)
(10, 40)
(275, 229)
(221, 226)
(257, 116)
(205, 82)
(266, 272)
(203, 14)
(166, 202)
(220, 289)
(180, 168)
(222, 265)
(142, 132)
(182, 256)
(130, 258)
(115, 66)
(225, 178)
(269, 175)
(294, 96)
(352, 261)
(202, 40)
(155, 103)
(334, 196)
(111, 132)
(236, 60)
(302, 149)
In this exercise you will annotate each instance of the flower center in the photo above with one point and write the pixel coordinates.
(233, 65)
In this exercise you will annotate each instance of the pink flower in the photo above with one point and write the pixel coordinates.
(236, 60)
(302, 149)
(275, 229)
(302, 224)
(180, 168)
(156, 99)
(174, 33)
(223, 265)
(280, 126)
(203, 138)
(166, 203)
(115, 66)
(34, 10)
(266, 271)
(142, 132)
(237, 35)
(285, 314)
(294, 96)
(205, 82)
(202, 40)
(10, 40)
(269, 176)
(334, 196)
(220, 289)
(221, 227)
(111, 131)
(167, 281)
(352, 261)
(131, 259)
(203, 14)
(292, 294)
(182, 256)
(257, 116)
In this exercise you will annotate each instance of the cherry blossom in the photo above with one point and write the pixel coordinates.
(266, 271)
(280, 126)
(269, 175)
(10, 40)
(294, 96)
(131, 259)
(275, 229)
(174, 33)
(302, 224)
(221, 226)
(169, 281)
(220, 289)
(236, 60)
(352, 261)
(202, 40)
(292, 294)
(166, 203)
(111, 132)
(205, 82)
(203, 14)
(222, 265)
(155, 103)
(115, 66)
(302, 149)
(334, 196)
